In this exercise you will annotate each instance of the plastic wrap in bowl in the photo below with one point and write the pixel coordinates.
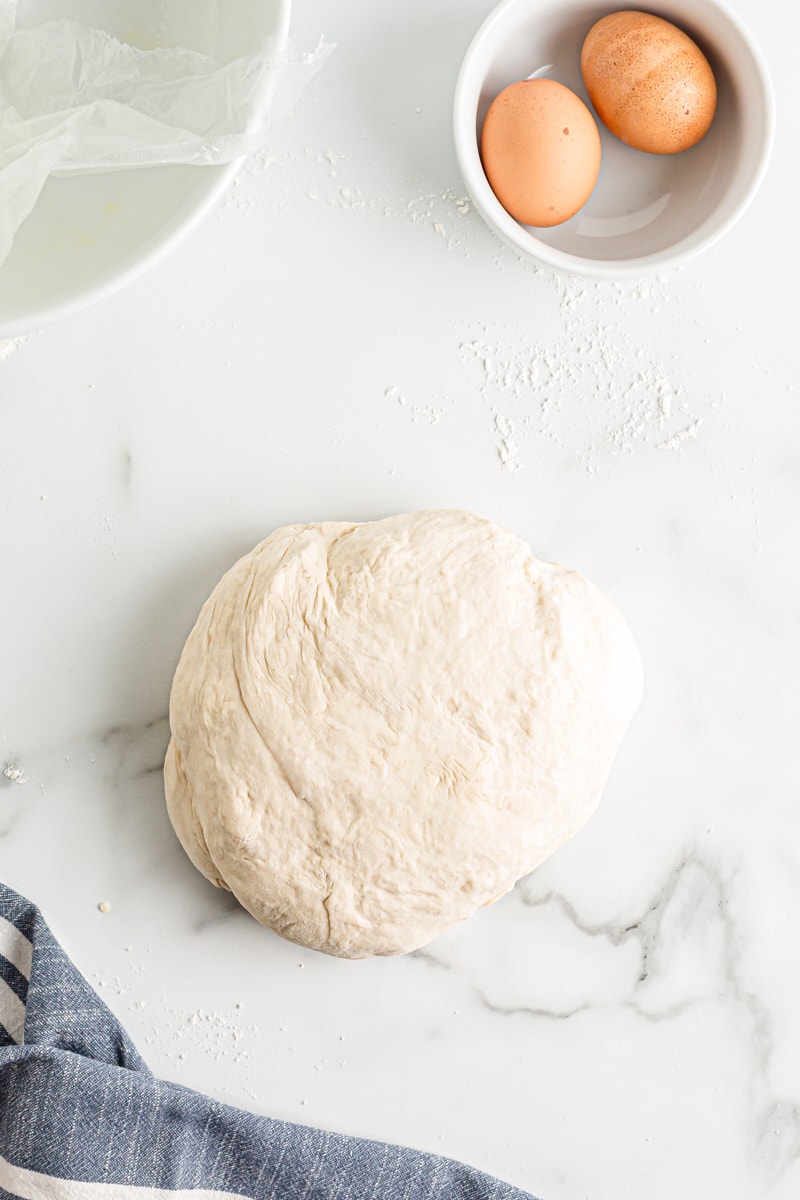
(90, 232)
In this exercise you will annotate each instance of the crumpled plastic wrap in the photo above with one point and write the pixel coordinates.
(98, 85)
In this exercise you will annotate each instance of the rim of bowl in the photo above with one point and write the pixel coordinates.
(171, 236)
(526, 243)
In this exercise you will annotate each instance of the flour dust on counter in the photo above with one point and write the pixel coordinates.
(9, 345)
(429, 413)
(233, 1039)
(226, 1039)
(593, 394)
(318, 178)
(683, 435)
(11, 773)
(586, 386)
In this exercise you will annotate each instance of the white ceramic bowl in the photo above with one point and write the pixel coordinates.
(647, 211)
(90, 234)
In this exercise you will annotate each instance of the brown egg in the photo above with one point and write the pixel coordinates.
(648, 81)
(541, 151)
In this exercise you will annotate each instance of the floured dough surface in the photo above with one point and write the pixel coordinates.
(378, 728)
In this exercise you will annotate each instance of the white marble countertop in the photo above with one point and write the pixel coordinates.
(344, 338)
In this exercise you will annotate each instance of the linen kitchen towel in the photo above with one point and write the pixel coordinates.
(83, 1118)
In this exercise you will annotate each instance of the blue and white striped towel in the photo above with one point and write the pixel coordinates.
(82, 1117)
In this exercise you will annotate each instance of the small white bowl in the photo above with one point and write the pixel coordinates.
(90, 234)
(647, 211)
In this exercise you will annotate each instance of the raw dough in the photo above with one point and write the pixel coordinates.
(378, 728)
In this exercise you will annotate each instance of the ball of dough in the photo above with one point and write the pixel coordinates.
(379, 728)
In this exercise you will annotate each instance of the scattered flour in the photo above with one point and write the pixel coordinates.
(14, 774)
(183, 1034)
(682, 435)
(316, 176)
(427, 412)
(216, 1035)
(591, 392)
(9, 345)
(507, 445)
(586, 387)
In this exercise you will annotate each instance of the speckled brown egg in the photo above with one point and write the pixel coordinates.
(648, 81)
(541, 151)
